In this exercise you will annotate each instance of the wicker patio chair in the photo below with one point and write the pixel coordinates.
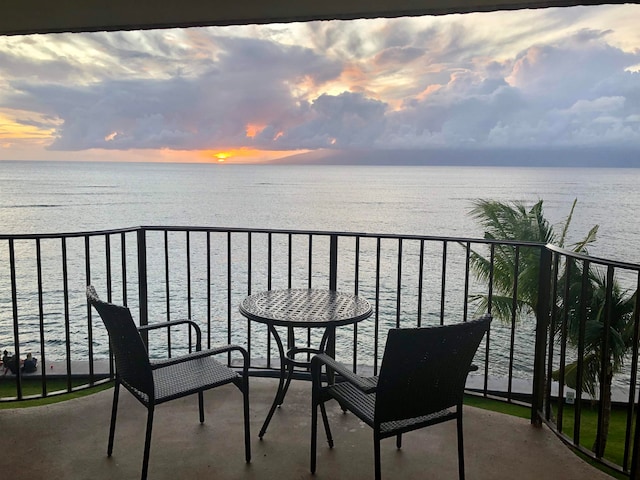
(421, 383)
(153, 383)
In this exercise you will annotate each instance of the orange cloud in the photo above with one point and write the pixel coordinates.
(12, 130)
(428, 91)
(253, 129)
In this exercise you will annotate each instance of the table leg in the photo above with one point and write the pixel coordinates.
(280, 392)
(286, 385)
(291, 344)
(328, 346)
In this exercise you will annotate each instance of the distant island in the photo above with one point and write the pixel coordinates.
(540, 157)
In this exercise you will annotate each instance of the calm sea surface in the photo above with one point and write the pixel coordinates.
(48, 197)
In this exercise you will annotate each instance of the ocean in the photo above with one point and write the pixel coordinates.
(54, 197)
(58, 197)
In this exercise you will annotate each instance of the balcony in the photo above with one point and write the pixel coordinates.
(203, 273)
(69, 440)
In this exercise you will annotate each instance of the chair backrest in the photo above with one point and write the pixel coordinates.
(424, 370)
(132, 361)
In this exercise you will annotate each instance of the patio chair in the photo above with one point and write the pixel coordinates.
(153, 383)
(421, 383)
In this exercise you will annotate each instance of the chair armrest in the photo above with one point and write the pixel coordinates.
(201, 354)
(366, 385)
(173, 323)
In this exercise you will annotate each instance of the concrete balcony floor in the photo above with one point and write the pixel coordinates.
(68, 440)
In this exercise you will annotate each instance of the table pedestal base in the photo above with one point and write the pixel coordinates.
(288, 363)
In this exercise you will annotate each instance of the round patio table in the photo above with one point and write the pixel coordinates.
(302, 308)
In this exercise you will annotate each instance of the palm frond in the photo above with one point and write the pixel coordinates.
(581, 246)
(567, 223)
(590, 370)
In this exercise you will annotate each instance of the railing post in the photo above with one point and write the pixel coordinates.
(542, 325)
(16, 322)
(142, 281)
(634, 473)
(333, 262)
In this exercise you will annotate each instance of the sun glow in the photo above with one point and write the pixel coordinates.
(242, 155)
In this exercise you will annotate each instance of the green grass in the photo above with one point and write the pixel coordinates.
(497, 406)
(588, 428)
(33, 386)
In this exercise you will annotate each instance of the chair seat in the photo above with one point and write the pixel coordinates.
(363, 406)
(182, 379)
(154, 382)
(422, 377)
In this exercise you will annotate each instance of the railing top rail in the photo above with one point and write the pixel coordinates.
(551, 247)
(596, 260)
(34, 236)
(342, 234)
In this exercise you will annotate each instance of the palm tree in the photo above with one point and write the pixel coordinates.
(619, 338)
(514, 221)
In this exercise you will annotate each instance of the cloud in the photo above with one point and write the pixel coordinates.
(564, 72)
(340, 121)
(454, 81)
(250, 81)
(574, 92)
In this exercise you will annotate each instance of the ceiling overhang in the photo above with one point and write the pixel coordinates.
(53, 16)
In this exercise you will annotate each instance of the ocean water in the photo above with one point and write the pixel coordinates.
(49, 197)
(52, 197)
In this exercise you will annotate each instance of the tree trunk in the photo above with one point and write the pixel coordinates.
(600, 443)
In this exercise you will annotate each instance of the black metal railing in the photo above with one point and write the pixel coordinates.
(591, 356)
(161, 273)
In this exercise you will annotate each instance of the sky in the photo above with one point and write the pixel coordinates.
(555, 77)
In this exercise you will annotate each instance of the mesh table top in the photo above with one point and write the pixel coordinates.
(305, 308)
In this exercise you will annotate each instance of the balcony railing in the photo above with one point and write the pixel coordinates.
(164, 273)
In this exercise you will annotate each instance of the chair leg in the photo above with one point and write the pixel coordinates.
(114, 413)
(247, 434)
(399, 441)
(460, 444)
(376, 454)
(325, 421)
(201, 406)
(147, 443)
(314, 431)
